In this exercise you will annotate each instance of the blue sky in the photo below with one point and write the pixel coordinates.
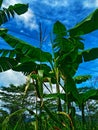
(47, 12)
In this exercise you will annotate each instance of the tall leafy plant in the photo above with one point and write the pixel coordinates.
(68, 53)
(5, 15)
(89, 94)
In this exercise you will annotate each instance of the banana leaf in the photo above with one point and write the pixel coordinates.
(7, 13)
(89, 24)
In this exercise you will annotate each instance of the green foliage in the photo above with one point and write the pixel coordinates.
(41, 67)
(6, 60)
(59, 29)
(19, 8)
(89, 24)
(5, 122)
(9, 12)
(90, 94)
(82, 78)
(29, 67)
(1, 1)
(26, 51)
(90, 54)
(7, 63)
(66, 50)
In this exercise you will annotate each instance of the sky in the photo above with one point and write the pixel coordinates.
(26, 27)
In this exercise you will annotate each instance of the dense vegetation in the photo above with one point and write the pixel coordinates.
(29, 106)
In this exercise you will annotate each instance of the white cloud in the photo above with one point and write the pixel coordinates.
(90, 3)
(28, 20)
(55, 3)
(12, 77)
(6, 3)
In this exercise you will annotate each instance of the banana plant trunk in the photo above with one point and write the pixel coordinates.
(83, 114)
(58, 99)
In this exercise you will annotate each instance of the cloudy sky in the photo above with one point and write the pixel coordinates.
(47, 12)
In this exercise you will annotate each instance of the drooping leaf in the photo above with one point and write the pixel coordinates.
(89, 24)
(26, 50)
(26, 67)
(87, 55)
(90, 54)
(82, 78)
(29, 67)
(90, 94)
(7, 63)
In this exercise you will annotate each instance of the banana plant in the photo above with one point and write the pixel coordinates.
(85, 96)
(90, 94)
(68, 54)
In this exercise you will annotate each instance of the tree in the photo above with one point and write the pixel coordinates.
(14, 99)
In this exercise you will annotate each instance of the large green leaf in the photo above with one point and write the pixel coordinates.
(88, 25)
(90, 54)
(87, 55)
(25, 50)
(82, 78)
(19, 8)
(1, 1)
(7, 63)
(59, 29)
(68, 68)
(70, 88)
(28, 67)
(90, 94)
(8, 53)
(6, 13)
